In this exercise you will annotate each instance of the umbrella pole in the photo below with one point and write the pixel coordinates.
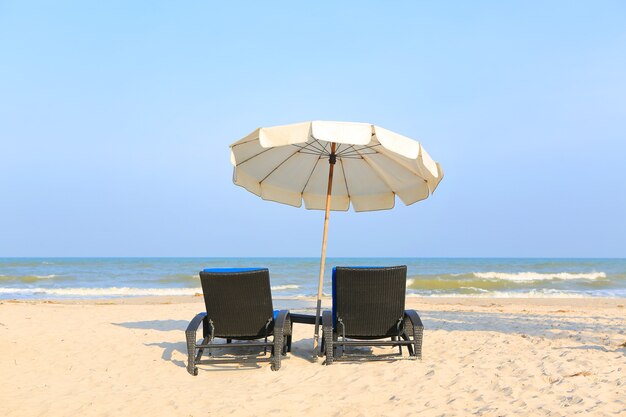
(318, 310)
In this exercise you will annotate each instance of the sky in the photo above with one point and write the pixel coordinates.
(115, 121)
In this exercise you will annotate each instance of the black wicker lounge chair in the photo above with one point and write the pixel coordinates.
(238, 307)
(368, 305)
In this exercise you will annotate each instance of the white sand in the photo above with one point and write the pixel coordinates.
(488, 357)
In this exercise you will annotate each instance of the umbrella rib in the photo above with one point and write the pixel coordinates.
(324, 150)
(310, 175)
(345, 179)
(369, 146)
(254, 156)
(243, 143)
(383, 180)
(309, 145)
(352, 154)
(347, 151)
(278, 166)
(309, 153)
(419, 174)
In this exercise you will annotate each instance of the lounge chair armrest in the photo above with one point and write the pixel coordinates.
(414, 317)
(282, 327)
(327, 337)
(283, 322)
(327, 319)
(195, 322)
(190, 334)
(416, 333)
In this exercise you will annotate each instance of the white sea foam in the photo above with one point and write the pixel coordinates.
(285, 287)
(474, 289)
(298, 297)
(536, 276)
(45, 276)
(508, 294)
(100, 292)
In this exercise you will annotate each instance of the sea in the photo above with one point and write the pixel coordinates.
(83, 278)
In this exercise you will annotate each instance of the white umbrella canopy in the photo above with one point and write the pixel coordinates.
(286, 164)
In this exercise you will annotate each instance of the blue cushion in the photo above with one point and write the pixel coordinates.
(334, 292)
(227, 270)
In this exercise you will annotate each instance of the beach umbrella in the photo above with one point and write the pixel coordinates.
(330, 166)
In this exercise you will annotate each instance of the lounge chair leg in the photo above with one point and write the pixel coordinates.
(330, 349)
(276, 357)
(393, 339)
(419, 334)
(229, 340)
(409, 347)
(286, 344)
(282, 325)
(190, 335)
(327, 337)
(191, 352)
(276, 351)
(413, 323)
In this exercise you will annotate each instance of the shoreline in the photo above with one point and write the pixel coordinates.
(482, 301)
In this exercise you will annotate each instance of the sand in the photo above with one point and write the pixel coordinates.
(485, 357)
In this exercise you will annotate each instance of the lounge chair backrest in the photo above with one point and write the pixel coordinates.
(369, 300)
(238, 301)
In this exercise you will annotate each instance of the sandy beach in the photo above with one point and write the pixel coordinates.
(487, 357)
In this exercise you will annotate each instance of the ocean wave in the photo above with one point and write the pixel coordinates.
(459, 285)
(100, 292)
(179, 278)
(510, 294)
(475, 289)
(27, 278)
(537, 276)
(285, 287)
(469, 284)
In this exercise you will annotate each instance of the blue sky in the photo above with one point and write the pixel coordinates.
(115, 121)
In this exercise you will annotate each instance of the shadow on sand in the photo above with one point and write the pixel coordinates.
(160, 325)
